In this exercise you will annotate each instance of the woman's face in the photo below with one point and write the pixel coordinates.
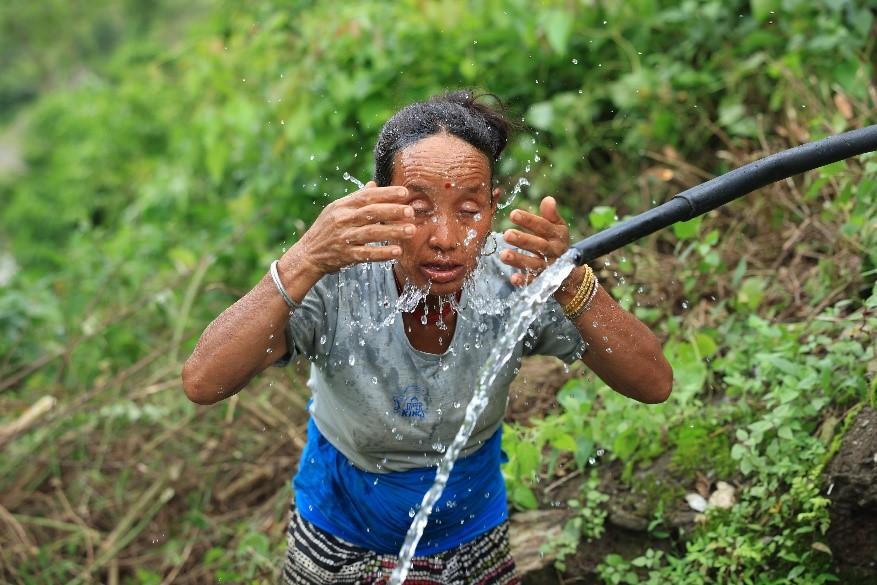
(448, 182)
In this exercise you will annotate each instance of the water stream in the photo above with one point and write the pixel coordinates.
(524, 308)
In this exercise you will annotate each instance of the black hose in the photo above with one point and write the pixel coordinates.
(725, 188)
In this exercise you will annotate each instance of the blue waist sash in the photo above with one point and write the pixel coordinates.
(374, 510)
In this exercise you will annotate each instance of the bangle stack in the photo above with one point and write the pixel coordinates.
(276, 278)
(581, 302)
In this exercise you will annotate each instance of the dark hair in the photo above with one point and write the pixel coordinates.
(459, 113)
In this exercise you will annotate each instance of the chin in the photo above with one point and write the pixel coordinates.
(445, 288)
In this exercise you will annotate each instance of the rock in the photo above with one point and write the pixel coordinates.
(528, 532)
(851, 484)
(696, 502)
(627, 520)
(723, 497)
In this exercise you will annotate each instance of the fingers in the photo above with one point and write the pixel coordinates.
(536, 224)
(381, 212)
(548, 210)
(379, 233)
(530, 242)
(523, 261)
(371, 195)
(375, 253)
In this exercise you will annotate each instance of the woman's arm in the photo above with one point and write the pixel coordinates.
(250, 335)
(622, 351)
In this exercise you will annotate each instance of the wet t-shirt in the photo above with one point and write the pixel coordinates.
(387, 406)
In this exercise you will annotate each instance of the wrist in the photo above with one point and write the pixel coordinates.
(298, 272)
(584, 294)
(568, 288)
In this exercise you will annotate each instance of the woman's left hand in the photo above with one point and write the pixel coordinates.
(546, 238)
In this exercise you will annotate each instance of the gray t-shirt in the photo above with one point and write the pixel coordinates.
(387, 406)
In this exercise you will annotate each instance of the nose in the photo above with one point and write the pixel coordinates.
(442, 237)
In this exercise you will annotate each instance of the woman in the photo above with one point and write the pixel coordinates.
(396, 295)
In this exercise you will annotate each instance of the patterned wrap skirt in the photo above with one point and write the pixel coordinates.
(315, 557)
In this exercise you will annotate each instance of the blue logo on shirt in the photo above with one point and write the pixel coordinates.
(407, 403)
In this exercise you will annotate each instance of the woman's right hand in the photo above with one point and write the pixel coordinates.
(341, 234)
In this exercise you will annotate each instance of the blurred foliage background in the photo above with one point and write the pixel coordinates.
(156, 156)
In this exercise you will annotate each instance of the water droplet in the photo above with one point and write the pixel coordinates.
(608, 350)
(269, 350)
(351, 360)
(411, 512)
(374, 379)
(322, 339)
(575, 61)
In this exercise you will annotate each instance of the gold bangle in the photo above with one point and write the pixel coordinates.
(582, 293)
(577, 309)
(587, 304)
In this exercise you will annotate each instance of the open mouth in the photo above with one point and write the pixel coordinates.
(440, 272)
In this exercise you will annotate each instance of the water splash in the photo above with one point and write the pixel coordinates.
(525, 307)
(522, 182)
(348, 177)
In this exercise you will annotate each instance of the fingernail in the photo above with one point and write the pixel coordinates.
(408, 212)
(409, 229)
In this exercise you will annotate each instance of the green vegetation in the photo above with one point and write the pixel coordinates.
(196, 144)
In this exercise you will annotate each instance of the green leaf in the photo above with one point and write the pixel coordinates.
(751, 292)
(564, 442)
(541, 115)
(602, 216)
(763, 9)
(706, 345)
(558, 26)
(528, 459)
(625, 444)
(524, 497)
(685, 230)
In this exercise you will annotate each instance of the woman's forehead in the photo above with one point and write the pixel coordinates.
(442, 158)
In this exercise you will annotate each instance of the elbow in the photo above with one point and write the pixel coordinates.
(196, 389)
(659, 391)
(664, 387)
